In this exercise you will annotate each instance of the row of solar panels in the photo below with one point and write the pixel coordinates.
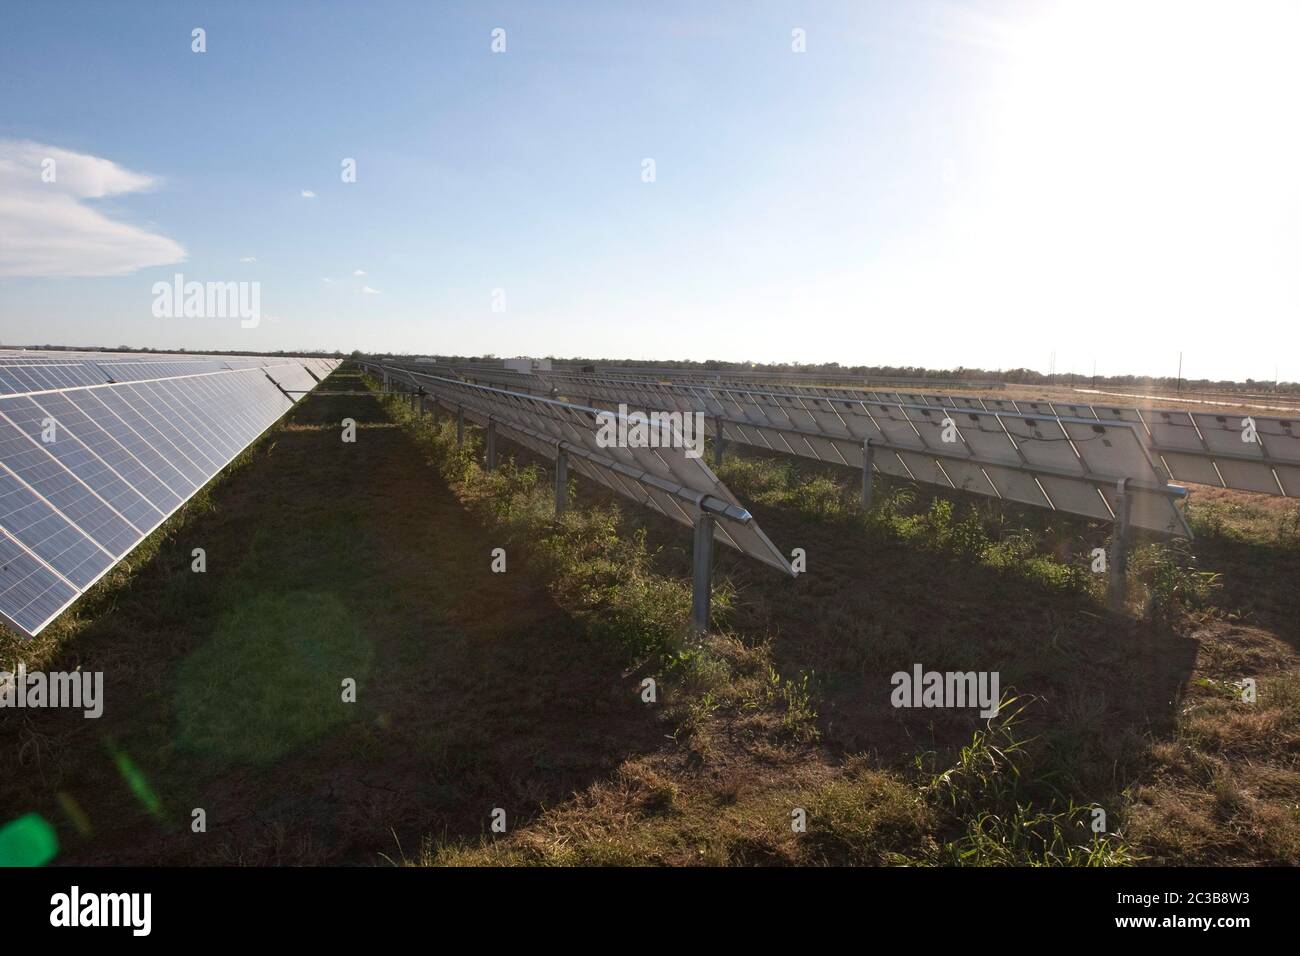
(88, 470)
(1186, 446)
(22, 372)
(669, 479)
(1255, 453)
(769, 378)
(1043, 461)
(509, 378)
(1049, 462)
(1248, 453)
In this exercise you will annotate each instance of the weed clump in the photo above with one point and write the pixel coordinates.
(979, 534)
(991, 820)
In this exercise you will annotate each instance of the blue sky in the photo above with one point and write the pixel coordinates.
(929, 183)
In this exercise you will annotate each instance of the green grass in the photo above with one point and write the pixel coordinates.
(995, 820)
(1164, 581)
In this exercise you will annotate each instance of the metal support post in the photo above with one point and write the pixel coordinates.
(702, 559)
(868, 459)
(561, 480)
(491, 445)
(1117, 562)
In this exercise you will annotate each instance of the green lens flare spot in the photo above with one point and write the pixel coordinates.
(74, 813)
(270, 680)
(28, 841)
(135, 779)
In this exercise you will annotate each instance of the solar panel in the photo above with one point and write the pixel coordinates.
(507, 378)
(768, 378)
(665, 479)
(1070, 465)
(30, 592)
(293, 379)
(96, 452)
(1204, 448)
(18, 377)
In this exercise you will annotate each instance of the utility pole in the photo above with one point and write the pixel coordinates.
(1180, 371)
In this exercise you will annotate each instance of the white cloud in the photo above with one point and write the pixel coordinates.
(369, 291)
(327, 279)
(359, 272)
(53, 228)
(308, 194)
(248, 258)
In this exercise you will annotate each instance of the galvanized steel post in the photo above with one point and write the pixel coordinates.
(561, 479)
(1117, 563)
(702, 571)
(868, 459)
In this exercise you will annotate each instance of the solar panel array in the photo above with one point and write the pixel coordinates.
(505, 377)
(1185, 446)
(25, 371)
(1248, 453)
(1203, 447)
(1047, 461)
(667, 480)
(768, 377)
(97, 450)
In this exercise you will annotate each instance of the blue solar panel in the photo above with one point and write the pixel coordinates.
(30, 592)
(34, 524)
(33, 465)
(97, 450)
(42, 376)
(37, 424)
(101, 443)
(98, 405)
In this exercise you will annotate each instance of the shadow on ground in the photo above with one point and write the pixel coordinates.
(1100, 685)
(325, 561)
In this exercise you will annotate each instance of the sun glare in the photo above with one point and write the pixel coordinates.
(1158, 144)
